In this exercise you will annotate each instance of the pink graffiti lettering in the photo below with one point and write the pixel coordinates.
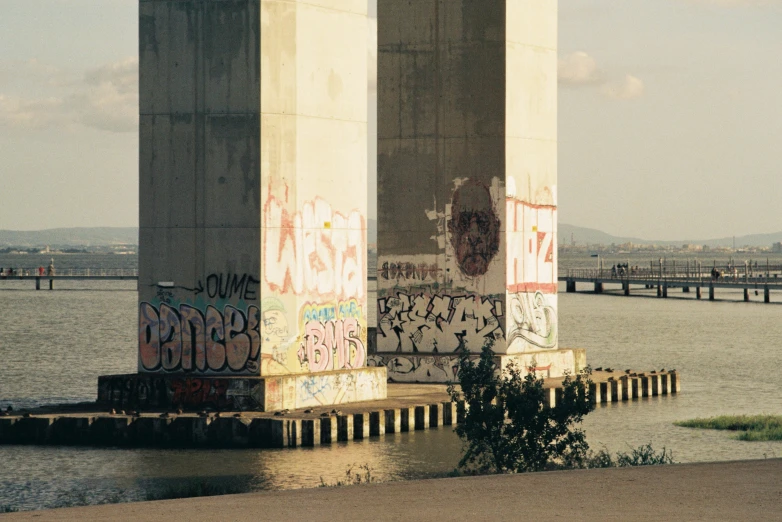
(332, 345)
(315, 251)
(531, 240)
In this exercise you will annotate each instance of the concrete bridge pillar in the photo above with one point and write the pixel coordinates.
(697, 292)
(766, 294)
(626, 288)
(467, 184)
(665, 291)
(253, 172)
(711, 292)
(570, 287)
(746, 295)
(659, 290)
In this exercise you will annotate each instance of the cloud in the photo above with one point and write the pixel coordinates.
(104, 98)
(578, 69)
(630, 88)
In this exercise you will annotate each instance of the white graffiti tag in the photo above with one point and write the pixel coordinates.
(440, 323)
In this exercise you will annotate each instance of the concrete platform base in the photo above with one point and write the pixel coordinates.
(408, 407)
(439, 368)
(272, 393)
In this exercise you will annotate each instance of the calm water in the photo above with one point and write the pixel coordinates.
(55, 344)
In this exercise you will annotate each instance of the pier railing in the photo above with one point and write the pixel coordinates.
(70, 272)
(738, 273)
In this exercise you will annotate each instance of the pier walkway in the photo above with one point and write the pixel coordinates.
(744, 277)
(72, 274)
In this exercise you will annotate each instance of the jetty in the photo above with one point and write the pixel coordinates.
(664, 276)
(71, 274)
(408, 407)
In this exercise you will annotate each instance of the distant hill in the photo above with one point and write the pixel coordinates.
(592, 236)
(108, 236)
(66, 237)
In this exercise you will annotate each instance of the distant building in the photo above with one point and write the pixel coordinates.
(776, 248)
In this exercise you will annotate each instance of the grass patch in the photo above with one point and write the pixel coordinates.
(354, 476)
(751, 427)
(644, 455)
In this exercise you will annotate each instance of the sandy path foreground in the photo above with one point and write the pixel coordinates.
(745, 490)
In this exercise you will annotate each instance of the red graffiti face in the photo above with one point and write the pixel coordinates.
(474, 228)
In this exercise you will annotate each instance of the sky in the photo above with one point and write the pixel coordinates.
(669, 122)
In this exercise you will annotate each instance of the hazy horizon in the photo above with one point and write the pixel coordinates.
(561, 239)
(667, 126)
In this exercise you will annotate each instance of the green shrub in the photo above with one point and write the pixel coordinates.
(8, 508)
(644, 456)
(508, 426)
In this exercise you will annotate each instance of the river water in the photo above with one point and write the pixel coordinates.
(53, 346)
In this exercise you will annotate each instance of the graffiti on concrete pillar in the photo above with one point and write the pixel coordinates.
(407, 271)
(438, 323)
(474, 228)
(533, 322)
(531, 244)
(315, 251)
(332, 337)
(187, 339)
(429, 368)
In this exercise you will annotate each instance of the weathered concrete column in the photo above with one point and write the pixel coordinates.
(253, 167)
(626, 288)
(746, 295)
(711, 292)
(467, 186)
(698, 292)
(599, 287)
(766, 294)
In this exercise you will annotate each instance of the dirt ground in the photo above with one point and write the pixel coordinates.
(744, 490)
